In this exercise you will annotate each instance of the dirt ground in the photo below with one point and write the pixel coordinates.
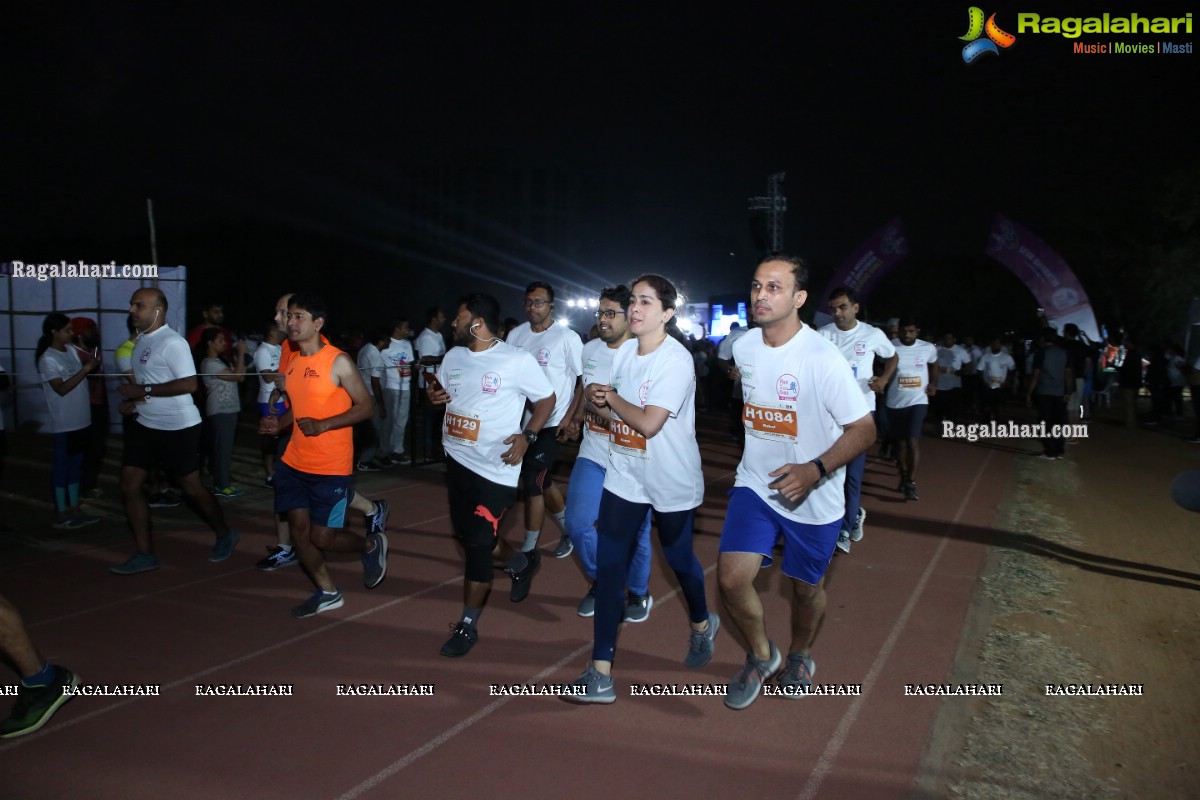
(1094, 578)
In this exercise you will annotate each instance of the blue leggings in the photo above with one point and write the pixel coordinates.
(583, 507)
(69, 450)
(619, 523)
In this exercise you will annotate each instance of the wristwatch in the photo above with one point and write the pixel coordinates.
(820, 468)
(147, 389)
(530, 435)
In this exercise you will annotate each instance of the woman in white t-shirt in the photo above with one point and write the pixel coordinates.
(654, 464)
(222, 405)
(66, 394)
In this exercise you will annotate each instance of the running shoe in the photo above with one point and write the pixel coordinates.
(565, 547)
(587, 606)
(522, 581)
(165, 500)
(856, 532)
(637, 607)
(747, 685)
(68, 524)
(36, 704)
(228, 491)
(223, 547)
(138, 562)
(590, 687)
(83, 518)
(797, 675)
(320, 602)
(279, 557)
(366, 466)
(843, 542)
(377, 520)
(700, 644)
(910, 491)
(462, 639)
(375, 561)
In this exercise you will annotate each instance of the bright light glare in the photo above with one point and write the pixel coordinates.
(595, 302)
(570, 304)
(564, 322)
(685, 325)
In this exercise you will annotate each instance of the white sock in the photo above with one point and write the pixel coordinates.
(531, 538)
(561, 519)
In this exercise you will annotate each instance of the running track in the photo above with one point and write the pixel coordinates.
(897, 608)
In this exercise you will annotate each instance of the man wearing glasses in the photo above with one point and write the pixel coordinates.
(559, 352)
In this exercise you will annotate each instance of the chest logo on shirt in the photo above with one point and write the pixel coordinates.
(643, 393)
(309, 372)
(490, 382)
(919, 363)
(787, 387)
(145, 356)
(543, 356)
(860, 348)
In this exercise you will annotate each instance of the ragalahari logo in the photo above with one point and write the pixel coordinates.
(976, 27)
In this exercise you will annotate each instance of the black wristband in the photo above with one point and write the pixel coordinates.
(820, 468)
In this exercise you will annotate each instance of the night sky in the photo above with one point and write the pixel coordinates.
(279, 145)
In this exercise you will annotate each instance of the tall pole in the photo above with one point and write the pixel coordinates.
(775, 204)
(153, 235)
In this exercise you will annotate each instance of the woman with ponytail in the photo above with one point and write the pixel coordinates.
(654, 465)
(62, 376)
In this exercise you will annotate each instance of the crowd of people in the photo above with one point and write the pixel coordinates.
(805, 405)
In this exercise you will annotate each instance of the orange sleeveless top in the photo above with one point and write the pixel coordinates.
(312, 393)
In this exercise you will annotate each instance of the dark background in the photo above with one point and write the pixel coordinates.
(397, 158)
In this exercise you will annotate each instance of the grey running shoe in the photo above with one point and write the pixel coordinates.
(223, 548)
(700, 645)
(857, 533)
(843, 542)
(565, 547)
(587, 606)
(797, 675)
(747, 685)
(36, 704)
(591, 687)
(318, 603)
(637, 607)
(375, 561)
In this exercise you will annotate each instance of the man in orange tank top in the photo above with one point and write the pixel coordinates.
(312, 482)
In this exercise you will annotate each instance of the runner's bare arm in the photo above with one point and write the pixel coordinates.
(647, 421)
(877, 384)
(517, 443)
(569, 428)
(931, 387)
(345, 374)
(794, 481)
(595, 394)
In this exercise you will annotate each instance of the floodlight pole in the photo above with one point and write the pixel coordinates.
(775, 204)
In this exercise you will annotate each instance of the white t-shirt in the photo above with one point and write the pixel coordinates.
(597, 368)
(912, 374)
(488, 391)
(221, 397)
(859, 346)
(974, 353)
(559, 352)
(950, 358)
(725, 348)
(429, 343)
(398, 353)
(994, 367)
(73, 411)
(159, 357)
(798, 398)
(663, 470)
(371, 365)
(266, 359)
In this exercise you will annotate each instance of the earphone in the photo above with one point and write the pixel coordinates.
(476, 325)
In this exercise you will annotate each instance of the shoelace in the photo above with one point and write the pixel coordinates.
(743, 676)
(797, 671)
(698, 640)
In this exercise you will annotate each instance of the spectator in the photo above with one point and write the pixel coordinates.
(1052, 384)
(222, 406)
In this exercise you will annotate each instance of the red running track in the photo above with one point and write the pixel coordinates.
(897, 607)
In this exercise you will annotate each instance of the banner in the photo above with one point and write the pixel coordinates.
(1041, 269)
(884, 249)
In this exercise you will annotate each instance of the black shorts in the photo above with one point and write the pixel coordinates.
(177, 453)
(538, 461)
(906, 422)
(476, 505)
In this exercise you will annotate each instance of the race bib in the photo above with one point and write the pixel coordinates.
(909, 382)
(996, 383)
(461, 427)
(773, 421)
(625, 439)
(596, 423)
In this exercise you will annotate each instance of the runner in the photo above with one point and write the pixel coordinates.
(654, 464)
(484, 385)
(587, 476)
(806, 419)
(908, 401)
(312, 482)
(165, 431)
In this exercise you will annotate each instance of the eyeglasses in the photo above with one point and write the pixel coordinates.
(608, 313)
(536, 303)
